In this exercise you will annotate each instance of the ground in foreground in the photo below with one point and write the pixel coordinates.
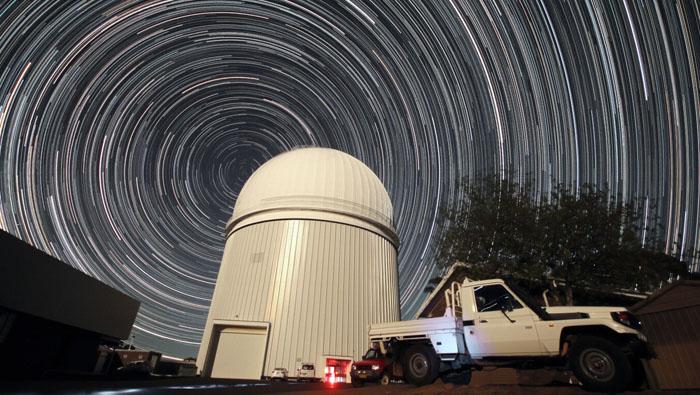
(212, 386)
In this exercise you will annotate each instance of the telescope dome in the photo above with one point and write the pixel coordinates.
(311, 183)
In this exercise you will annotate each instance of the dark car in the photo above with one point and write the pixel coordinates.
(374, 367)
(136, 369)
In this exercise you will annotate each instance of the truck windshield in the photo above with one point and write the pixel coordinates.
(527, 299)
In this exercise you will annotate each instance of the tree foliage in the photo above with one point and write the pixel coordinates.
(586, 238)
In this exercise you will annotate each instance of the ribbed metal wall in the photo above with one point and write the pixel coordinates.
(319, 284)
(670, 320)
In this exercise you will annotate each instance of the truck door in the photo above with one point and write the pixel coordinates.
(494, 334)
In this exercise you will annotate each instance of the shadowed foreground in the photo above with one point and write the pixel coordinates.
(210, 386)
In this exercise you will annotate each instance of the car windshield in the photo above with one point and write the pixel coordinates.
(372, 354)
(307, 367)
(527, 299)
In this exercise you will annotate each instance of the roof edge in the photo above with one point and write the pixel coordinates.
(337, 216)
(438, 287)
(661, 291)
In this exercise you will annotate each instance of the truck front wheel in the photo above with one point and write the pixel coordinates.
(421, 365)
(600, 365)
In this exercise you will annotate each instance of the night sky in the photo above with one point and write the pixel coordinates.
(128, 128)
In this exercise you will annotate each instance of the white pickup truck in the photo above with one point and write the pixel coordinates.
(496, 323)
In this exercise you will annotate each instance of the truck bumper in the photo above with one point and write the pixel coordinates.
(365, 375)
(641, 348)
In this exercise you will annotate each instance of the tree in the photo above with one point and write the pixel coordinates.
(494, 226)
(584, 239)
(591, 239)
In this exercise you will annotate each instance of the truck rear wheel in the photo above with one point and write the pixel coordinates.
(421, 365)
(600, 365)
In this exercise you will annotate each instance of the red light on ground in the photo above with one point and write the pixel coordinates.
(336, 370)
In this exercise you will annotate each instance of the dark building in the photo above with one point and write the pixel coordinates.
(671, 320)
(434, 305)
(53, 317)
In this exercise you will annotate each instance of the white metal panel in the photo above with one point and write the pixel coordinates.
(416, 327)
(447, 343)
(240, 353)
(495, 334)
(319, 284)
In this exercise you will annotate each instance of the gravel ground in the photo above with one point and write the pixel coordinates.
(488, 389)
(190, 386)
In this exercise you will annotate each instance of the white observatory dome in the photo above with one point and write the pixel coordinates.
(309, 263)
(315, 183)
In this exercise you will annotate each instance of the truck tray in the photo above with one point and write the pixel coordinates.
(418, 329)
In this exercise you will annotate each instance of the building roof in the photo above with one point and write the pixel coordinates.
(33, 282)
(315, 183)
(434, 305)
(679, 294)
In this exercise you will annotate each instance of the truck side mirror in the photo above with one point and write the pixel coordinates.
(506, 304)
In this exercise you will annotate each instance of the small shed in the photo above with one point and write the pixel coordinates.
(53, 317)
(671, 321)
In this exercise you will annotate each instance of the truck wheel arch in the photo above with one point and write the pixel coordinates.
(399, 347)
(570, 333)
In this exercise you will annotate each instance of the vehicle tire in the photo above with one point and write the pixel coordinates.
(600, 365)
(386, 379)
(358, 383)
(421, 365)
(458, 378)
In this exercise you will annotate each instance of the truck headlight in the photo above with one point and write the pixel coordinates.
(627, 319)
(375, 367)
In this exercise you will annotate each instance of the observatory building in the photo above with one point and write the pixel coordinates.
(309, 263)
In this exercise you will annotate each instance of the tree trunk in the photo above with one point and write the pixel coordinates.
(554, 294)
(569, 296)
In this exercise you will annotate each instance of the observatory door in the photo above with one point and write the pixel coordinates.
(240, 353)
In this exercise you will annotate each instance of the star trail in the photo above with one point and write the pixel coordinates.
(128, 128)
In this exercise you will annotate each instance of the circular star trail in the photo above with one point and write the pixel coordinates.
(128, 128)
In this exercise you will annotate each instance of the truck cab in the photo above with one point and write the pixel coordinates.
(501, 319)
(496, 323)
